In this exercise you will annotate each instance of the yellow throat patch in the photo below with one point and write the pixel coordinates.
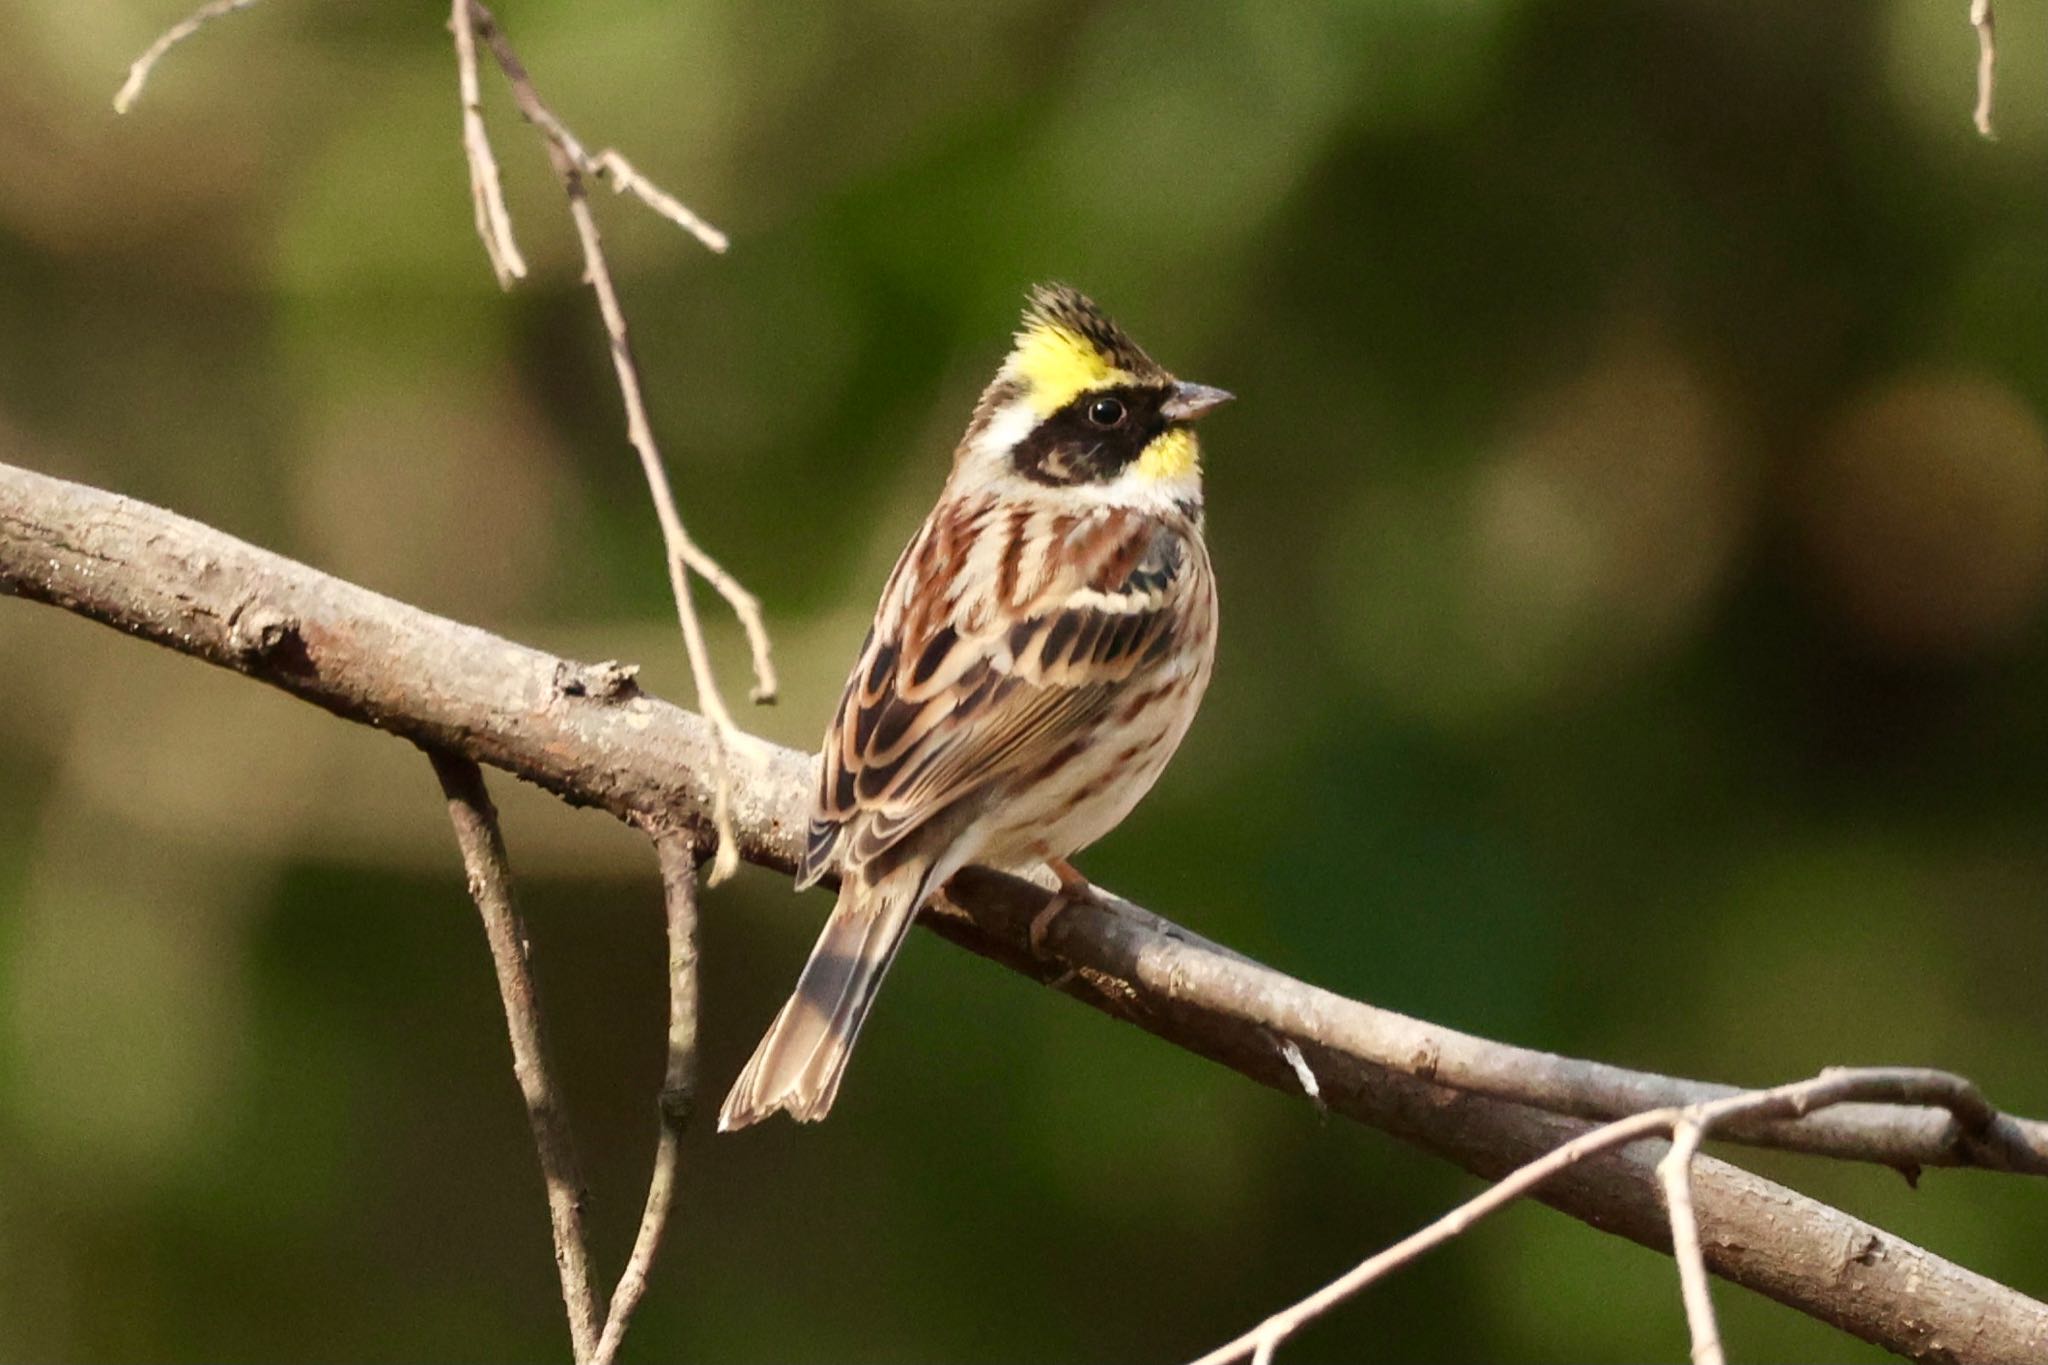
(1173, 454)
(1056, 364)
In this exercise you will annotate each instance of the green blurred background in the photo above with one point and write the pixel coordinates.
(1633, 532)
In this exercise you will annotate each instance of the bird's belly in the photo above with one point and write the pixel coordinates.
(1091, 794)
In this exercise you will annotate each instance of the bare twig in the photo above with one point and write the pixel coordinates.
(1986, 25)
(572, 163)
(493, 220)
(608, 164)
(1675, 1172)
(1884, 1085)
(1261, 1341)
(678, 855)
(165, 578)
(139, 69)
(490, 884)
(1686, 1127)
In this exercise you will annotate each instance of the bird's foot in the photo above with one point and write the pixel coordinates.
(1073, 887)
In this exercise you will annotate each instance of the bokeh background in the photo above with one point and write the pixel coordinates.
(1634, 536)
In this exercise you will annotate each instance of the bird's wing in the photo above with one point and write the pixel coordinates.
(1002, 637)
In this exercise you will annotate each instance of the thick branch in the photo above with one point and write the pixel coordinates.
(584, 733)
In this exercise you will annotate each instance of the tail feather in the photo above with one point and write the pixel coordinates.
(800, 1061)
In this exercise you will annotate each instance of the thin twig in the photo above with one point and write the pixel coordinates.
(1487, 1106)
(1986, 25)
(572, 163)
(609, 164)
(139, 69)
(490, 885)
(493, 219)
(678, 854)
(1686, 1127)
(1675, 1174)
(1267, 1336)
(746, 607)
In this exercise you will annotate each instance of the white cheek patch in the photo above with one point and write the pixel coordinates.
(987, 457)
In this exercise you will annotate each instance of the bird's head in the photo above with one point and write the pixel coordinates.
(1078, 405)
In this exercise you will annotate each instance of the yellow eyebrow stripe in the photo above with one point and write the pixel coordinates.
(1056, 365)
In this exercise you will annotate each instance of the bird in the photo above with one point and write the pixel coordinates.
(1038, 653)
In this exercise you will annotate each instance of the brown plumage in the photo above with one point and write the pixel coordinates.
(1038, 652)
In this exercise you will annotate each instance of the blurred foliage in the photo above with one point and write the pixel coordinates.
(1633, 531)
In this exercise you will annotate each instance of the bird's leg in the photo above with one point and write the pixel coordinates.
(1073, 887)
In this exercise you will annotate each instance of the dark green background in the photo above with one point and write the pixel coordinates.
(1633, 532)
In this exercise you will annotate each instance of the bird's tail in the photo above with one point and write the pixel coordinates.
(800, 1061)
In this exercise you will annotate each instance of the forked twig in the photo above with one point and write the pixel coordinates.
(139, 69)
(1686, 1127)
(490, 885)
(1986, 25)
(572, 163)
(678, 854)
(611, 165)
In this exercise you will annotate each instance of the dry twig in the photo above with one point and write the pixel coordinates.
(493, 219)
(139, 69)
(678, 854)
(1982, 20)
(170, 580)
(490, 885)
(595, 1331)
(1675, 1173)
(1686, 1128)
(572, 163)
(475, 821)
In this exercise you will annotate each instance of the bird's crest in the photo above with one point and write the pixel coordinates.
(1067, 346)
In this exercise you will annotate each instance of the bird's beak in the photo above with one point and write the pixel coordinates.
(1190, 401)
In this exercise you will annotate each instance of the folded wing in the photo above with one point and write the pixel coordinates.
(960, 690)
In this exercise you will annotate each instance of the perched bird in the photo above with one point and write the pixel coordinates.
(1038, 653)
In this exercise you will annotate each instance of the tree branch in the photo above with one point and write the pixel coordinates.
(490, 885)
(585, 733)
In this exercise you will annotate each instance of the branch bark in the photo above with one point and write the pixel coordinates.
(585, 733)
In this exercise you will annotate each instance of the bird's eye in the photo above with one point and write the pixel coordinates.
(1106, 412)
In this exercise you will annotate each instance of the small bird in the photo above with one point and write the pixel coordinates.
(1037, 655)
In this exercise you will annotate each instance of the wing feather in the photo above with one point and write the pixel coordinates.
(957, 690)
